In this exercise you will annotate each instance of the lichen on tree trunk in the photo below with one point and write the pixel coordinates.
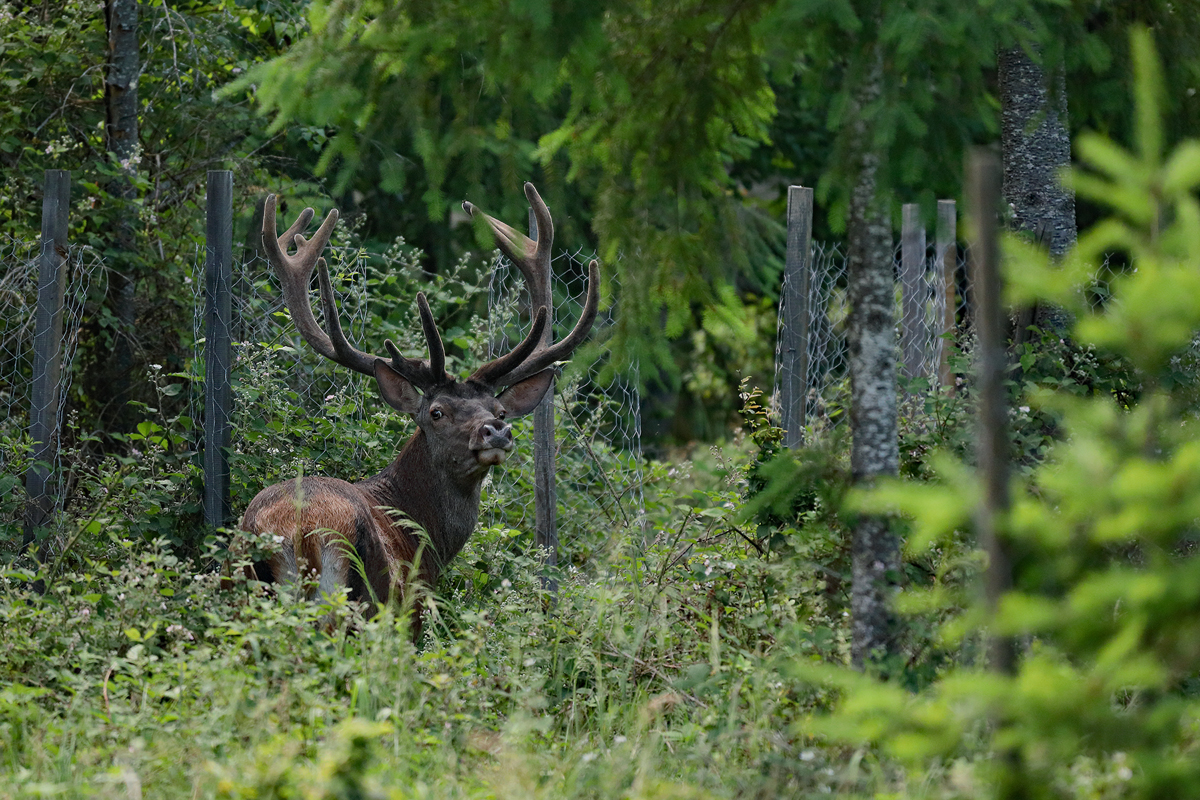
(875, 552)
(1035, 146)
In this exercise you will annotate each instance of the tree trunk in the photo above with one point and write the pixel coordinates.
(1035, 146)
(121, 109)
(872, 343)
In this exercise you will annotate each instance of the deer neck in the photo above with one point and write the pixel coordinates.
(444, 506)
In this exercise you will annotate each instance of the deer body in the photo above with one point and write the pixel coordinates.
(430, 493)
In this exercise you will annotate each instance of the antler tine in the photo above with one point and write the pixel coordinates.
(344, 352)
(544, 357)
(437, 352)
(495, 370)
(295, 272)
(538, 273)
(423, 374)
(533, 259)
(299, 226)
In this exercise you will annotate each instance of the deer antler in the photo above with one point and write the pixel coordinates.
(533, 259)
(295, 273)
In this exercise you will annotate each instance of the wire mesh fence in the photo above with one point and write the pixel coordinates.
(598, 468)
(297, 413)
(920, 325)
(19, 267)
(283, 391)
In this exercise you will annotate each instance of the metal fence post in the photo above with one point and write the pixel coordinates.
(793, 347)
(47, 356)
(947, 258)
(218, 256)
(912, 282)
(545, 496)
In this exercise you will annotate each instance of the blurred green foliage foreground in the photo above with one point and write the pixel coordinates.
(703, 653)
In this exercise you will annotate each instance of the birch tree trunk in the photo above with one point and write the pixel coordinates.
(121, 129)
(875, 553)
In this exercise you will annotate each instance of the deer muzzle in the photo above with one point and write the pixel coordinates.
(495, 440)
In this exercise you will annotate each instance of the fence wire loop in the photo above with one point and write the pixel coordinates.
(598, 425)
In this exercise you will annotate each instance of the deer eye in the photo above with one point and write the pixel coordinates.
(501, 414)
(435, 413)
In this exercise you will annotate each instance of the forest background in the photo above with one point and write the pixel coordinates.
(396, 114)
(703, 650)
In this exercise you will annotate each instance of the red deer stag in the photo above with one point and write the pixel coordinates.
(462, 428)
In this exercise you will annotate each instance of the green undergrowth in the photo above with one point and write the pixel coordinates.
(662, 671)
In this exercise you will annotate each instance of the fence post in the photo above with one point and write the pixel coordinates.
(912, 283)
(947, 257)
(793, 348)
(545, 497)
(218, 256)
(47, 355)
(983, 197)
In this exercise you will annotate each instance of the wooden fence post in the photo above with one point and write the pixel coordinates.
(793, 349)
(914, 329)
(218, 395)
(545, 497)
(47, 356)
(947, 257)
(983, 197)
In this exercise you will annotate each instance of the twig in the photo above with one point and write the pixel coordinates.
(104, 692)
(656, 672)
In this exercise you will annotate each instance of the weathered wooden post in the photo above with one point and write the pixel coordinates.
(218, 394)
(47, 356)
(983, 197)
(793, 347)
(545, 498)
(947, 258)
(914, 330)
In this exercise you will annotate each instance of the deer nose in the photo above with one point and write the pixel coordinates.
(497, 433)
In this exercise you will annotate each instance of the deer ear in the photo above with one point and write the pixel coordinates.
(524, 396)
(399, 393)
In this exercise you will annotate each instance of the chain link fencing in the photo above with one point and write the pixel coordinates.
(598, 432)
(826, 376)
(19, 267)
